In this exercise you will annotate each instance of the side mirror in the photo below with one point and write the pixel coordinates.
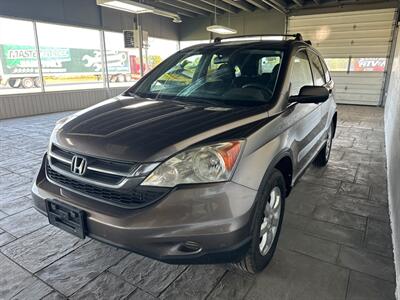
(311, 94)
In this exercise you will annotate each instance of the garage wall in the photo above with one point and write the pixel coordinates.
(257, 22)
(355, 46)
(392, 136)
(86, 13)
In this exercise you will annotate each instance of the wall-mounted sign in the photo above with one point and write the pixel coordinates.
(131, 39)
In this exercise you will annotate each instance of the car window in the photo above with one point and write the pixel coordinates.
(266, 64)
(179, 76)
(301, 73)
(231, 75)
(326, 71)
(317, 70)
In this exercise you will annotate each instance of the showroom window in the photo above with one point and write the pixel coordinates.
(19, 67)
(71, 57)
(157, 51)
(123, 64)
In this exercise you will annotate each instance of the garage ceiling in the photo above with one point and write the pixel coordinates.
(195, 8)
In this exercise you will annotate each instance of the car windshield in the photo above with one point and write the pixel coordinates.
(225, 75)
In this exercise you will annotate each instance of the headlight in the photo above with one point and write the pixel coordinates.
(211, 163)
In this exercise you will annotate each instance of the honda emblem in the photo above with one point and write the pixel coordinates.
(78, 165)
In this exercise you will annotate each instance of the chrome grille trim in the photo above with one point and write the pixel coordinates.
(96, 169)
(100, 172)
(86, 180)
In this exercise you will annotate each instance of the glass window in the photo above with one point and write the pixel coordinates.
(158, 50)
(19, 67)
(71, 57)
(267, 64)
(178, 77)
(227, 75)
(326, 71)
(317, 70)
(123, 63)
(301, 73)
(368, 64)
(337, 64)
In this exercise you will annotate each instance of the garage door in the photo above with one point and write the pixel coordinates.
(356, 48)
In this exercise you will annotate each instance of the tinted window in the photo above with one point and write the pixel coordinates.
(318, 71)
(301, 73)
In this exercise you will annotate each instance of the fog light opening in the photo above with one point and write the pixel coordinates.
(190, 247)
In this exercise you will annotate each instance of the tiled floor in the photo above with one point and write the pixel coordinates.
(335, 242)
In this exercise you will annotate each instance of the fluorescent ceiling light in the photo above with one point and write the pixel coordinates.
(221, 29)
(126, 5)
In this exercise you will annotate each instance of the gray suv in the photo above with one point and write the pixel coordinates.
(193, 163)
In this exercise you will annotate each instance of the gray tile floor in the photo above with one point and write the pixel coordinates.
(335, 242)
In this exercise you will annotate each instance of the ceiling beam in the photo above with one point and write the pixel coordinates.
(200, 5)
(298, 2)
(181, 12)
(278, 5)
(259, 4)
(243, 5)
(222, 5)
(317, 2)
(183, 7)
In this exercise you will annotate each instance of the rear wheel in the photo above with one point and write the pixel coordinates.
(266, 224)
(323, 156)
(28, 83)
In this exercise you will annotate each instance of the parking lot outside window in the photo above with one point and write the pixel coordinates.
(71, 57)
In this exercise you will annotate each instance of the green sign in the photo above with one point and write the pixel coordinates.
(19, 59)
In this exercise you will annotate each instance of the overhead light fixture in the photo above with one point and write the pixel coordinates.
(126, 5)
(138, 8)
(221, 29)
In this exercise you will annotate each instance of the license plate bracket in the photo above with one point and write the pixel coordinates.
(66, 217)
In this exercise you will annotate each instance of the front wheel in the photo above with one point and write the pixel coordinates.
(266, 224)
(323, 156)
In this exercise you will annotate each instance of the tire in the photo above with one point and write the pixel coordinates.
(262, 248)
(28, 83)
(14, 82)
(38, 82)
(323, 156)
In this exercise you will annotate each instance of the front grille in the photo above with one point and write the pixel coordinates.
(134, 198)
(98, 170)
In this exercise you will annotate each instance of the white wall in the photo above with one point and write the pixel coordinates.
(392, 136)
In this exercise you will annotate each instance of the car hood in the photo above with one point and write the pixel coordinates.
(145, 130)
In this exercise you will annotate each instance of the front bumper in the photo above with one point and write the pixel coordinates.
(214, 217)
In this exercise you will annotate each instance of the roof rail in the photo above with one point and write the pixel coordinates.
(296, 36)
